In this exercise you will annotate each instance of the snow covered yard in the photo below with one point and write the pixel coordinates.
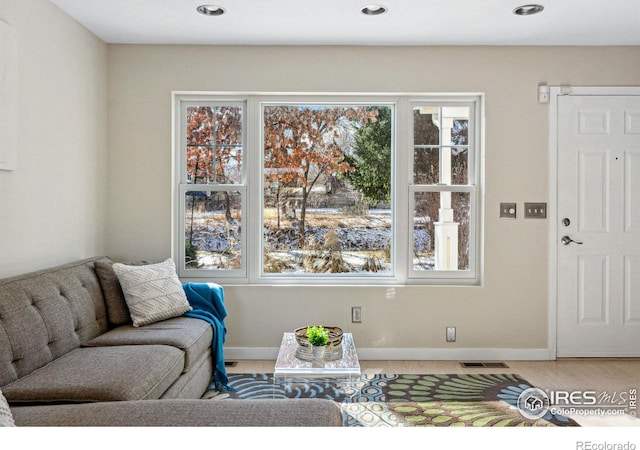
(336, 241)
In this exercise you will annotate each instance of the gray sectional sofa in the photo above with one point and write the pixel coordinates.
(70, 356)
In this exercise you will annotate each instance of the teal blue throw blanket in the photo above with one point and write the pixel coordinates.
(207, 301)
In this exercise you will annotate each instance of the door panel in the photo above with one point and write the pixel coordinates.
(593, 276)
(632, 290)
(593, 178)
(598, 296)
(632, 191)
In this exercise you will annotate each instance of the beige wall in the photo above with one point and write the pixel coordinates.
(508, 312)
(52, 208)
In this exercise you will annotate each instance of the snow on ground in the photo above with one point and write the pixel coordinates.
(363, 238)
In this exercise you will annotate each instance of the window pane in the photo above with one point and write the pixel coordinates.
(212, 230)
(426, 124)
(459, 165)
(441, 231)
(441, 139)
(214, 144)
(460, 153)
(327, 189)
(426, 165)
(460, 129)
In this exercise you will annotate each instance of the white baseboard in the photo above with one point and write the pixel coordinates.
(597, 354)
(412, 354)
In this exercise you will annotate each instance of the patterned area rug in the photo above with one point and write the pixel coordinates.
(460, 400)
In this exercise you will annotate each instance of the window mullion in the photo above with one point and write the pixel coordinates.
(402, 177)
(440, 149)
(254, 187)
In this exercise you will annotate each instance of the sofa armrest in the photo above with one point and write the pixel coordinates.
(185, 413)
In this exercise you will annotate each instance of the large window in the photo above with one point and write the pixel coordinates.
(323, 189)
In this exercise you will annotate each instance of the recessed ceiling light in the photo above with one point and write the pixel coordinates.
(210, 10)
(528, 10)
(373, 10)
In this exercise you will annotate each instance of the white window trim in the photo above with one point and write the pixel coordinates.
(402, 191)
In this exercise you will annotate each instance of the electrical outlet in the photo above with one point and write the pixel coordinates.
(356, 314)
(451, 334)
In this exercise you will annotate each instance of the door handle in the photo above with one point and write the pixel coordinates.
(566, 240)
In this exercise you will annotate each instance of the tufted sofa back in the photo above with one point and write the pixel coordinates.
(45, 314)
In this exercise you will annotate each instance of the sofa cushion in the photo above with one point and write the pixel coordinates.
(6, 417)
(153, 292)
(304, 412)
(195, 383)
(45, 314)
(191, 335)
(117, 310)
(94, 374)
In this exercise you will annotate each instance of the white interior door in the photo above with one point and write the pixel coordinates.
(598, 280)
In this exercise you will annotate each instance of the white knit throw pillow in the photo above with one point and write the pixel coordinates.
(153, 292)
(6, 418)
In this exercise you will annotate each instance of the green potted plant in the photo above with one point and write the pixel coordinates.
(318, 338)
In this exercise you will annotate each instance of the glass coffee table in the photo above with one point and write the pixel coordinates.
(289, 366)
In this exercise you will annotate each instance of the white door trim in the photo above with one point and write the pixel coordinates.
(552, 209)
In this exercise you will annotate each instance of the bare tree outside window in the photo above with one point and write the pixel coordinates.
(318, 216)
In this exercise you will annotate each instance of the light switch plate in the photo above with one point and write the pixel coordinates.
(535, 210)
(507, 210)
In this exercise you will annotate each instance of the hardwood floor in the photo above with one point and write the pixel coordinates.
(594, 374)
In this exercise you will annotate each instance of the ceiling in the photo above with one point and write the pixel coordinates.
(340, 22)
